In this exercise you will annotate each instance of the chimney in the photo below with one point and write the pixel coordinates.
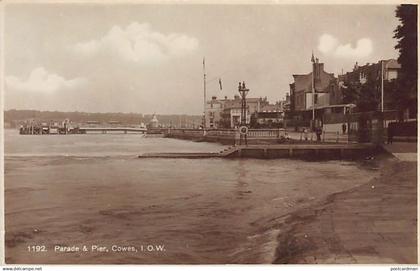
(356, 66)
(225, 97)
(318, 67)
(214, 98)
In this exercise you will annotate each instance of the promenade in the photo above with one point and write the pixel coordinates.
(272, 151)
(259, 136)
(404, 151)
(375, 223)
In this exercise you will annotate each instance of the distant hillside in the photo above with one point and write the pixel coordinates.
(12, 118)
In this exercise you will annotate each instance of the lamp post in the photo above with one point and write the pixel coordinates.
(204, 90)
(383, 122)
(382, 86)
(243, 91)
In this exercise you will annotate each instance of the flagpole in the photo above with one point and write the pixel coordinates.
(382, 96)
(382, 86)
(313, 90)
(313, 94)
(204, 84)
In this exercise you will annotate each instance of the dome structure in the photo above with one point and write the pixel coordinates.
(154, 123)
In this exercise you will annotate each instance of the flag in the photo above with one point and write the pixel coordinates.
(220, 83)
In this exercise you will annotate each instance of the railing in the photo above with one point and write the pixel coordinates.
(221, 133)
(328, 137)
(254, 133)
(185, 132)
(266, 133)
(308, 137)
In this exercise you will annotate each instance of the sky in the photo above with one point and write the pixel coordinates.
(145, 58)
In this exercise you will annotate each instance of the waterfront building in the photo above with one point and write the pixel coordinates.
(231, 116)
(373, 87)
(214, 111)
(367, 78)
(318, 81)
(226, 113)
(317, 96)
(269, 116)
(154, 123)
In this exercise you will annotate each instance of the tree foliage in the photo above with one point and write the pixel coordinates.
(365, 96)
(406, 34)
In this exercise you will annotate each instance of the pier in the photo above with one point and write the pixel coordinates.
(300, 151)
(47, 130)
(104, 130)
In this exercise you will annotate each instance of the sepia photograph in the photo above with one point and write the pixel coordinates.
(209, 133)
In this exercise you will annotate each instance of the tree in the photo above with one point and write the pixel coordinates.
(365, 96)
(406, 34)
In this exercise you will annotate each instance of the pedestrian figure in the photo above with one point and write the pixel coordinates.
(390, 133)
(344, 127)
(305, 132)
(318, 132)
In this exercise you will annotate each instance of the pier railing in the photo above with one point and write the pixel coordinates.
(264, 134)
(221, 132)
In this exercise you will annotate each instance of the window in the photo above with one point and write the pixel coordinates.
(391, 74)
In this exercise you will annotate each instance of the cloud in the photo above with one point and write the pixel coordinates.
(363, 49)
(40, 80)
(328, 44)
(138, 43)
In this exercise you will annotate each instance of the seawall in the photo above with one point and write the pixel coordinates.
(314, 152)
(275, 151)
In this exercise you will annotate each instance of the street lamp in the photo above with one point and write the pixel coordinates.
(243, 91)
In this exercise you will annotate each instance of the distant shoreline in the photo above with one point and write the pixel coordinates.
(12, 116)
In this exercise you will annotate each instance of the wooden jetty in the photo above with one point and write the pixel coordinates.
(304, 151)
(104, 130)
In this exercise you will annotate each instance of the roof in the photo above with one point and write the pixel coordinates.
(271, 108)
(369, 70)
(232, 103)
(303, 82)
(154, 119)
(331, 106)
(392, 64)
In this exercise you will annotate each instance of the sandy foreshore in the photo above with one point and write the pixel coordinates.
(375, 223)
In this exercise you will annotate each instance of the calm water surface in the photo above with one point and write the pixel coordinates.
(92, 190)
